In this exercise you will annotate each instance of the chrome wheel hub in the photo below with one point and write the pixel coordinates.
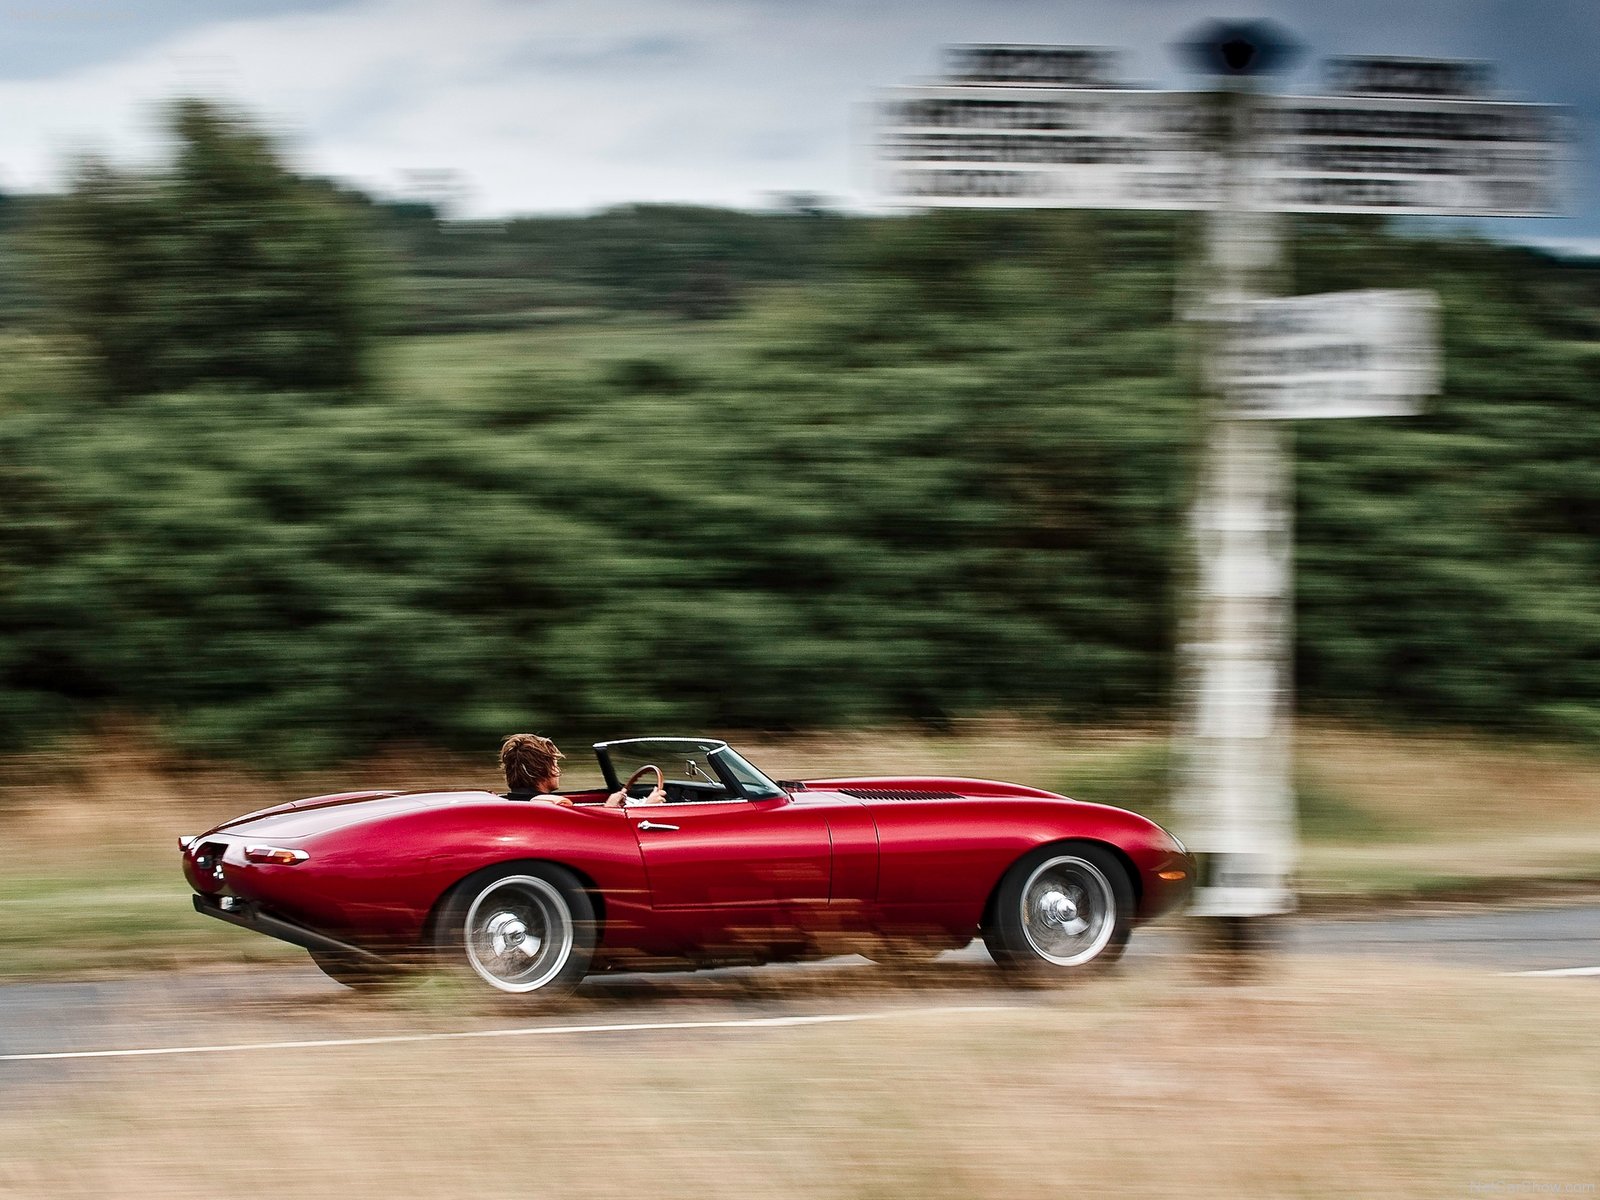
(518, 933)
(1061, 910)
(1069, 911)
(509, 934)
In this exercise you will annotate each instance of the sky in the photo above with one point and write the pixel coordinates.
(519, 106)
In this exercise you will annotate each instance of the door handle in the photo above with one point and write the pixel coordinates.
(647, 825)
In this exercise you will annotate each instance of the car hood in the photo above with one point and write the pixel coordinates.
(321, 814)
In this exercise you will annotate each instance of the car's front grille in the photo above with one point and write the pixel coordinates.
(893, 794)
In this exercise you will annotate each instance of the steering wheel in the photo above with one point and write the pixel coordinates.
(661, 780)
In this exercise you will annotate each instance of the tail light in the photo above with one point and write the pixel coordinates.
(279, 855)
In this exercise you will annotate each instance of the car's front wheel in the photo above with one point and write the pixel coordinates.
(523, 929)
(1062, 908)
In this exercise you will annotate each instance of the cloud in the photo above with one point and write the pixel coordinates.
(571, 104)
(528, 100)
(43, 38)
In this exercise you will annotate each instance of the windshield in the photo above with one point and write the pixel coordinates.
(756, 785)
(681, 760)
(698, 767)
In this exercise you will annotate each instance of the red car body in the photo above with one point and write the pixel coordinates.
(812, 868)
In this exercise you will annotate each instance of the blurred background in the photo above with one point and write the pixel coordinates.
(380, 378)
(323, 434)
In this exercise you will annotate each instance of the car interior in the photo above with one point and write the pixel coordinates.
(692, 772)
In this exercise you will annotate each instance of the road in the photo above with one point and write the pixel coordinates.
(291, 1001)
(1527, 939)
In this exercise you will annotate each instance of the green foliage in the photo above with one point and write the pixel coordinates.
(1450, 564)
(948, 479)
(222, 269)
(686, 261)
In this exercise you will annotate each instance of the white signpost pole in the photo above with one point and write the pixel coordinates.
(1236, 794)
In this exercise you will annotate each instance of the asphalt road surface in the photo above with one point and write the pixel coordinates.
(291, 1001)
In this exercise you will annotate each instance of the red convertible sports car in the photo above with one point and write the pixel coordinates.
(529, 896)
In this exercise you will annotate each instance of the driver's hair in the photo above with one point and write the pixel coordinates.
(528, 760)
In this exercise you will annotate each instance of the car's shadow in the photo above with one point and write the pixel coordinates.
(845, 978)
(965, 976)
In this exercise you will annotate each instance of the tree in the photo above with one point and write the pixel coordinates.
(223, 268)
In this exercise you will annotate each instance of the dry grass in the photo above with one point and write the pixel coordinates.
(1459, 809)
(1331, 1080)
(1474, 784)
(119, 794)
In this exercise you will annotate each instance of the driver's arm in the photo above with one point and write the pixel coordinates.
(619, 798)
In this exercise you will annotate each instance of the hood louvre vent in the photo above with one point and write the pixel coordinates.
(893, 794)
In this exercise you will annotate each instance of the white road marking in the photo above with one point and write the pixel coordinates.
(525, 1031)
(1556, 972)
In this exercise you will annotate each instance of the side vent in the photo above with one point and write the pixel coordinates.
(888, 794)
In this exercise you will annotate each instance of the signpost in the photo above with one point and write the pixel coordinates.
(1042, 127)
(988, 145)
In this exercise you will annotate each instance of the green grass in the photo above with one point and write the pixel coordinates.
(1328, 815)
(447, 367)
(113, 920)
(1137, 777)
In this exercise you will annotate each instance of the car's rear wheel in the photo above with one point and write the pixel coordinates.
(526, 929)
(1062, 908)
(354, 971)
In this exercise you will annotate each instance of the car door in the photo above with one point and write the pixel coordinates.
(744, 866)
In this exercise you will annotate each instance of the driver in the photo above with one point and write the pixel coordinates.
(533, 772)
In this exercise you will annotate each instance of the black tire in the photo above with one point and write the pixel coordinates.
(1062, 910)
(355, 972)
(487, 921)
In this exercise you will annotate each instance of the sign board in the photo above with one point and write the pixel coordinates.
(1380, 154)
(1013, 147)
(1341, 354)
(986, 139)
